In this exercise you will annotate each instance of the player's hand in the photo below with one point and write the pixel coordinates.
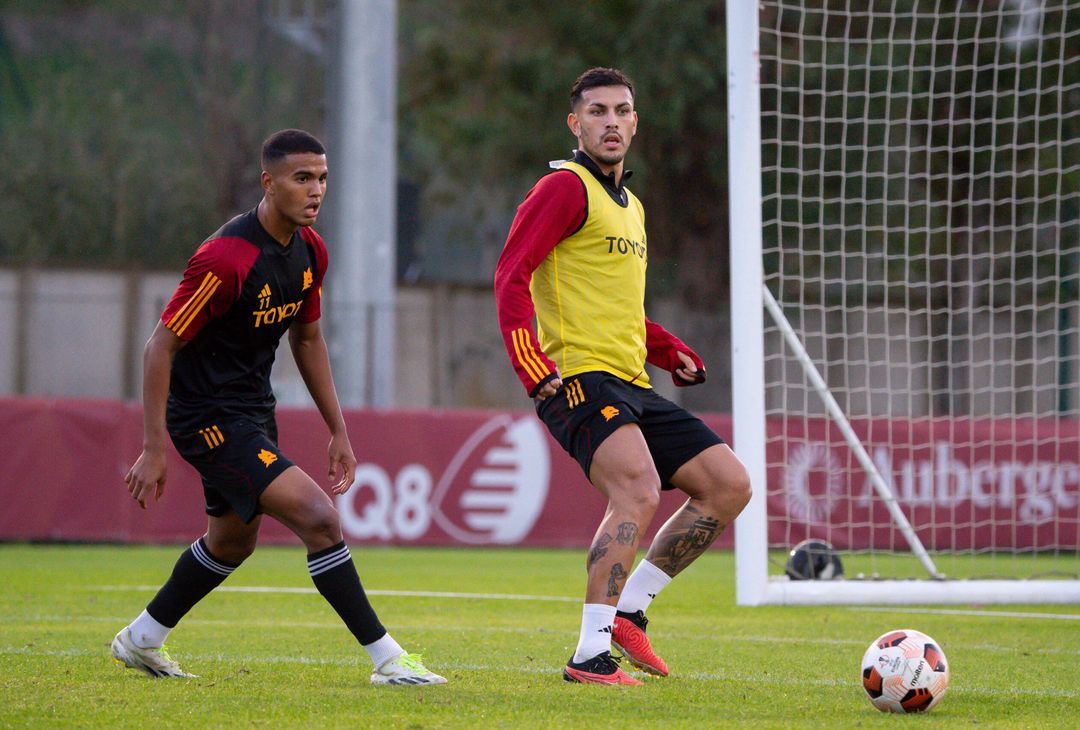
(147, 476)
(342, 464)
(549, 389)
(688, 372)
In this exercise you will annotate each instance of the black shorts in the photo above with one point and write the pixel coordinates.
(237, 459)
(589, 407)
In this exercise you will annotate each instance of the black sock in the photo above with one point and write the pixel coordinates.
(195, 574)
(333, 573)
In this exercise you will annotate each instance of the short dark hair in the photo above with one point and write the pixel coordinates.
(599, 76)
(289, 142)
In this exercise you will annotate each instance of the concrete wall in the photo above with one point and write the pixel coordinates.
(80, 334)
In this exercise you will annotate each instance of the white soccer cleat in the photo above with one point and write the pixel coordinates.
(405, 669)
(154, 662)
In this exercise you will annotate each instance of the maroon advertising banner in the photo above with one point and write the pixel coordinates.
(424, 478)
(963, 484)
(497, 478)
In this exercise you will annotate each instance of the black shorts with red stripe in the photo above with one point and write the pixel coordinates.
(237, 459)
(589, 407)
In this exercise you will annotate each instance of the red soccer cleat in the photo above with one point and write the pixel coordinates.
(601, 669)
(629, 638)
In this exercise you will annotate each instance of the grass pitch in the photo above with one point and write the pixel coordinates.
(271, 653)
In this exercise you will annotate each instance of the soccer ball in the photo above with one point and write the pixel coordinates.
(904, 671)
(813, 560)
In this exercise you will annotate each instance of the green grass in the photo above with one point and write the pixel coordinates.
(283, 659)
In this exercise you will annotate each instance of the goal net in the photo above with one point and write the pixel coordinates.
(914, 399)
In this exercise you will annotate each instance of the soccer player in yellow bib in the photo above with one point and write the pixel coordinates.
(575, 260)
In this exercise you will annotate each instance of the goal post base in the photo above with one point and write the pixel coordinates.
(782, 591)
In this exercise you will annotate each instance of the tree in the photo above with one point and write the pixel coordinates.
(485, 93)
(137, 127)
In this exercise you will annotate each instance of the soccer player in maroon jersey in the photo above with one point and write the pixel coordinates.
(575, 259)
(207, 385)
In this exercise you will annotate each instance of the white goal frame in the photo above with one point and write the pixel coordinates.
(749, 301)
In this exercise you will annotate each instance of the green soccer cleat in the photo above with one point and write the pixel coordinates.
(155, 662)
(405, 669)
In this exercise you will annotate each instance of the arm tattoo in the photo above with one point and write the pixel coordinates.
(599, 549)
(617, 574)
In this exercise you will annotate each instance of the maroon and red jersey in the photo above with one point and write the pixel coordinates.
(240, 293)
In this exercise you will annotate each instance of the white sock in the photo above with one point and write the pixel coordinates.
(147, 633)
(383, 650)
(597, 621)
(643, 585)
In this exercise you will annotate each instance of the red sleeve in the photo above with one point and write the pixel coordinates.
(311, 309)
(662, 347)
(553, 210)
(210, 285)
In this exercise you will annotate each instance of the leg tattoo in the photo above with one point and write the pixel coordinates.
(617, 574)
(598, 550)
(686, 536)
(628, 532)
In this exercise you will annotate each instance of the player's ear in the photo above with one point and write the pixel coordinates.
(267, 181)
(572, 122)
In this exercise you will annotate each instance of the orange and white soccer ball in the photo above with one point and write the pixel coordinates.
(905, 671)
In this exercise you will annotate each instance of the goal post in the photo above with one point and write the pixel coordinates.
(905, 258)
(747, 275)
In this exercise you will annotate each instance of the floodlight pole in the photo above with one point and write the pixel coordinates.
(362, 201)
